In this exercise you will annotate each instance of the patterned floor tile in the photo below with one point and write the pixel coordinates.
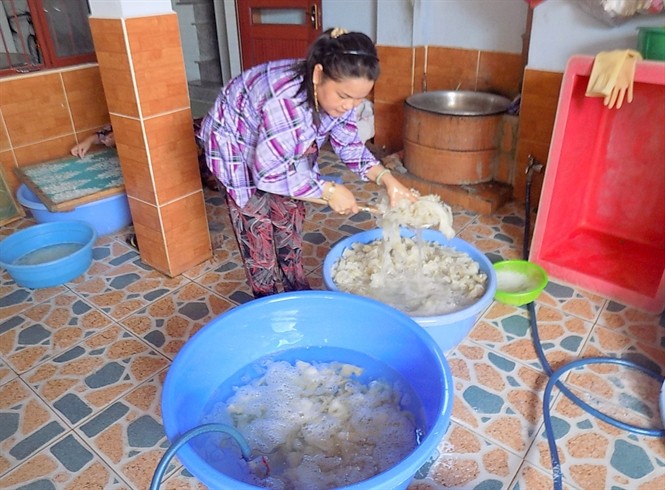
(169, 322)
(318, 242)
(595, 455)
(315, 279)
(325, 217)
(610, 343)
(532, 478)
(622, 386)
(425, 484)
(68, 464)
(6, 373)
(125, 289)
(90, 375)
(14, 299)
(107, 254)
(228, 280)
(648, 327)
(496, 397)
(462, 218)
(466, 460)
(129, 433)
(491, 237)
(27, 424)
(507, 329)
(46, 329)
(573, 300)
(227, 253)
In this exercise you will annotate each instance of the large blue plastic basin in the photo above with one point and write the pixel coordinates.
(77, 238)
(448, 329)
(299, 320)
(106, 215)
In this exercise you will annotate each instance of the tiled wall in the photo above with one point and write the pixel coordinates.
(44, 114)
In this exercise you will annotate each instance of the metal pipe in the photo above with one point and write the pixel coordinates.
(533, 166)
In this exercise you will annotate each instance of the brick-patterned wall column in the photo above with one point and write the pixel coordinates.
(540, 98)
(143, 73)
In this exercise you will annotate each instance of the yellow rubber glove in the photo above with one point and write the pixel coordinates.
(606, 66)
(612, 76)
(624, 82)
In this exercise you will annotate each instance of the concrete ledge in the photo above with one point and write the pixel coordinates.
(483, 198)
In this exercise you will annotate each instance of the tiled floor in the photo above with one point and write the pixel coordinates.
(82, 365)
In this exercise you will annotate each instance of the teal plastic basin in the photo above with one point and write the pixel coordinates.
(48, 254)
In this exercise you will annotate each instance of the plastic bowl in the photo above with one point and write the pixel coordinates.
(311, 326)
(518, 281)
(48, 254)
(448, 329)
(106, 215)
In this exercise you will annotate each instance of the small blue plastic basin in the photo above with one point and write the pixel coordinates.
(301, 322)
(448, 329)
(48, 254)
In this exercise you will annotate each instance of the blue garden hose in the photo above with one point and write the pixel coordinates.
(184, 439)
(555, 375)
(554, 381)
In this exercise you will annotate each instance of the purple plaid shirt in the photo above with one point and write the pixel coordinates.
(260, 134)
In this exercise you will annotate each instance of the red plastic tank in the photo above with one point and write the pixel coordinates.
(601, 218)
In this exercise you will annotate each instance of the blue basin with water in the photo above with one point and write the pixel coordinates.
(48, 254)
(322, 326)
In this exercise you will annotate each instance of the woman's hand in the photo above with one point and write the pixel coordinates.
(82, 148)
(340, 199)
(107, 139)
(394, 188)
(397, 191)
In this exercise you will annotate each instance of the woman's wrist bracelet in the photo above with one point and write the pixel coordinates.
(380, 176)
(328, 193)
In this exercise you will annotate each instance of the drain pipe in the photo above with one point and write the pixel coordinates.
(555, 375)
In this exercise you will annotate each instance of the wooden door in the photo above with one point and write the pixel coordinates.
(276, 29)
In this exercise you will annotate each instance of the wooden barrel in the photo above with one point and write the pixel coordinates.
(451, 137)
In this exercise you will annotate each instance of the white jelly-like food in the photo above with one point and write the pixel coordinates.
(418, 277)
(318, 426)
(514, 282)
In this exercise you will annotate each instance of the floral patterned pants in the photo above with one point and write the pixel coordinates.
(269, 231)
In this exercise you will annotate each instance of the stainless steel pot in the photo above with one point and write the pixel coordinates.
(459, 102)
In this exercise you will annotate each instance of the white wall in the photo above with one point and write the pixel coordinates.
(394, 23)
(352, 15)
(487, 25)
(190, 45)
(561, 29)
(119, 9)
